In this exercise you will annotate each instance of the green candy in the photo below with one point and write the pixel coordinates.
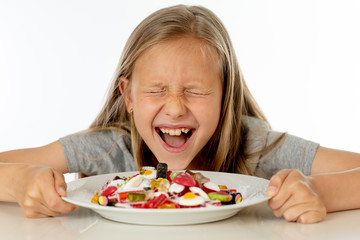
(135, 197)
(173, 174)
(221, 196)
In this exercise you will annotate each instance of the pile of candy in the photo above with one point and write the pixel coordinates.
(160, 188)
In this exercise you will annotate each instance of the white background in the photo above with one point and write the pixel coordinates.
(301, 60)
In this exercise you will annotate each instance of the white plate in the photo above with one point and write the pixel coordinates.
(252, 188)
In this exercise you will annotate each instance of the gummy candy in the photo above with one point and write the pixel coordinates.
(184, 179)
(161, 170)
(164, 185)
(156, 201)
(222, 196)
(191, 200)
(135, 196)
(155, 183)
(210, 187)
(95, 199)
(172, 190)
(144, 169)
(173, 175)
(177, 189)
(133, 182)
(200, 178)
(123, 195)
(168, 205)
(200, 192)
(108, 191)
(189, 195)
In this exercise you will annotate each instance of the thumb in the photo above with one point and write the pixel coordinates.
(276, 181)
(60, 185)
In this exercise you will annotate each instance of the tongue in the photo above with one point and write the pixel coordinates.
(174, 141)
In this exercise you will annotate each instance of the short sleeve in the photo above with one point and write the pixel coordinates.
(291, 153)
(98, 152)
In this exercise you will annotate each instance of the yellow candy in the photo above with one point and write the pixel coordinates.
(189, 195)
(164, 185)
(222, 187)
(166, 206)
(148, 172)
(155, 183)
(143, 170)
(95, 199)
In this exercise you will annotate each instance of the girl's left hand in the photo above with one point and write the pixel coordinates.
(294, 198)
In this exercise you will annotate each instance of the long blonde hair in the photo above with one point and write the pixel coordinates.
(225, 149)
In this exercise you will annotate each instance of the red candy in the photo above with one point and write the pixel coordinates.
(108, 191)
(166, 192)
(156, 201)
(138, 204)
(168, 175)
(210, 187)
(185, 179)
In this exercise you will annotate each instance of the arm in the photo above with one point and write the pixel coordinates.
(51, 155)
(336, 178)
(332, 186)
(34, 178)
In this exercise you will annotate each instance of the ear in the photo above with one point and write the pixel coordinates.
(125, 89)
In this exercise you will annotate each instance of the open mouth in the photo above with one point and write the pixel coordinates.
(175, 138)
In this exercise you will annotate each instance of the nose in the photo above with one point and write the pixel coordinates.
(174, 106)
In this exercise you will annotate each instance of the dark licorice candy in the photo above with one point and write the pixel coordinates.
(161, 170)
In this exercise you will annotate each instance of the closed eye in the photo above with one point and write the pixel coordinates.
(197, 93)
(156, 90)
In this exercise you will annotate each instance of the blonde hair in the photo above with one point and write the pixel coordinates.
(225, 149)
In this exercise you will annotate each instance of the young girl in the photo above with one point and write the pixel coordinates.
(178, 96)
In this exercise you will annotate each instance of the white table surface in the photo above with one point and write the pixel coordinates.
(255, 222)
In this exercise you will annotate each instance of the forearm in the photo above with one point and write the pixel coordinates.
(338, 190)
(9, 173)
(51, 155)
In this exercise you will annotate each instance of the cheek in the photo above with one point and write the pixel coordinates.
(145, 111)
(207, 114)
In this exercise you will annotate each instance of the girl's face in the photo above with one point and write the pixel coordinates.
(175, 93)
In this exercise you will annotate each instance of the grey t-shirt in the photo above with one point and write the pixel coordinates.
(106, 151)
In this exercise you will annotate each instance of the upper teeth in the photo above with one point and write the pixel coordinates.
(174, 132)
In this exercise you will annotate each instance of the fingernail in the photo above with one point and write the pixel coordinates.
(62, 191)
(271, 191)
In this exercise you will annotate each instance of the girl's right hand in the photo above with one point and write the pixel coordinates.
(38, 190)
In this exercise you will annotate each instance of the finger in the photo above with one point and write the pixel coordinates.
(282, 195)
(35, 209)
(311, 217)
(56, 204)
(305, 213)
(51, 198)
(276, 182)
(60, 185)
(299, 195)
